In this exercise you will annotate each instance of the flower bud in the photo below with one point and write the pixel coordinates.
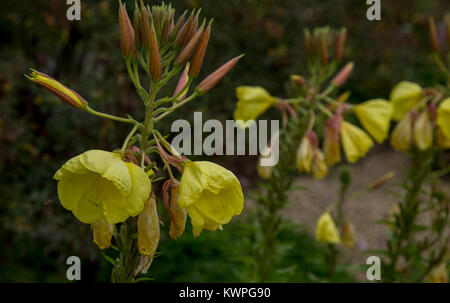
(184, 78)
(326, 230)
(433, 34)
(155, 58)
(194, 26)
(197, 59)
(127, 40)
(148, 228)
(178, 25)
(348, 235)
(308, 43)
(331, 145)
(179, 215)
(216, 76)
(187, 51)
(381, 181)
(340, 45)
(423, 131)
(305, 152)
(318, 166)
(343, 75)
(324, 50)
(182, 35)
(144, 27)
(103, 232)
(144, 264)
(402, 135)
(137, 30)
(299, 80)
(64, 93)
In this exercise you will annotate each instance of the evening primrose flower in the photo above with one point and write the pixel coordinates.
(211, 195)
(61, 91)
(355, 141)
(318, 165)
(443, 117)
(326, 230)
(148, 229)
(178, 214)
(375, 115)
(103, 232)
(439, 274)
(305, 152)
(99, 183)
(252, 102)
(404, 96)
(331, 144)
(423, 131)
(402, 135)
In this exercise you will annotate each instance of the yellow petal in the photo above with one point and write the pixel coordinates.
(375, 115)
(89, 208)
(197, 221)
(443, 118)
(355, 141)
(140, 190)
(404, 96)
(304, 156)
(72, 187)
(402, 134)
(252, 102)
(148, 229)
(443, 141)
(319, 167)
(179, 215)
(326, 230)
(103, 232)
(423, 131)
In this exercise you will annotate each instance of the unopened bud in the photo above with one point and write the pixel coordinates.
(179, 215)
(381, 181)
(340, 45)
(187, 51)
(308, 43)
(348, 235)
(299, 80)
(64, 93)
(155, 58)
(216, 76)
(103, 232)
(179, 24)
(127, 40)
(137, 27)
(343, 75)
(144, 27)
(182, 35)
(184, 78)
(447, 25)
(197, 59)
(148, 228)
(194, 26)
(324, 50)
(433, 34)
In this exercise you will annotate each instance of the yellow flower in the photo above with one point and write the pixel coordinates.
(305, 153)
(348, 235)
(103, 232)
(148, 229)
(404, 96)
(402, 135)
(318, 166)
(252, 102)
(99, 183)
(178, 214)
(423, 131)
(63, 92)
(356, 142)
(331, 144)
(211, 195)
(439, 274)
(326, 231)
(375, 115)
(443, 118)
(443, 141)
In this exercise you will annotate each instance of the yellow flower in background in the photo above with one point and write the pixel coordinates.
(443, 118)
(63, 92)
(211, 195)
(404, 96)
(148, 229)
(423, 131)
(402, 135)
(252, 102)
(375, 115)
(326, 231)
(443, 141)
(318, 166)
(439, 274)
(103, 232)
(305, 155)
(99, 183)
(356, 142)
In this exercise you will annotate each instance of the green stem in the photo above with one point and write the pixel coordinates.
(107, 116)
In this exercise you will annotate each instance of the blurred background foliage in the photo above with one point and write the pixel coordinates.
(38, 132)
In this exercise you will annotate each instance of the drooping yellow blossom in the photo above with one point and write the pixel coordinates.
(331, 144)
(103, 232)
(402, 136)
(443, 142)
(439, 274)
(326, 230)
(148, 229)
(63, 92)
(252, 102)
(178, 214)
(423, 131)
(211, 195)
(404, 96)
(355, 141)
(99, 183)
(443, 117)
(375, 115)
(348, 235)
(318, 166)
(305, 154)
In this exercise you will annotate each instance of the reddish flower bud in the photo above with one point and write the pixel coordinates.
(187, 51)
(215, 77)
(340, 45)
(299, 80)
(145, 27)
(182, 83)
(433, 35)
(127, 40)
(343, 75)
(155, 58)
(194, 26)
(197, 59)
(182, 35)
(382, 180)
(137, 30)
(324, 50)
(179, 23)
